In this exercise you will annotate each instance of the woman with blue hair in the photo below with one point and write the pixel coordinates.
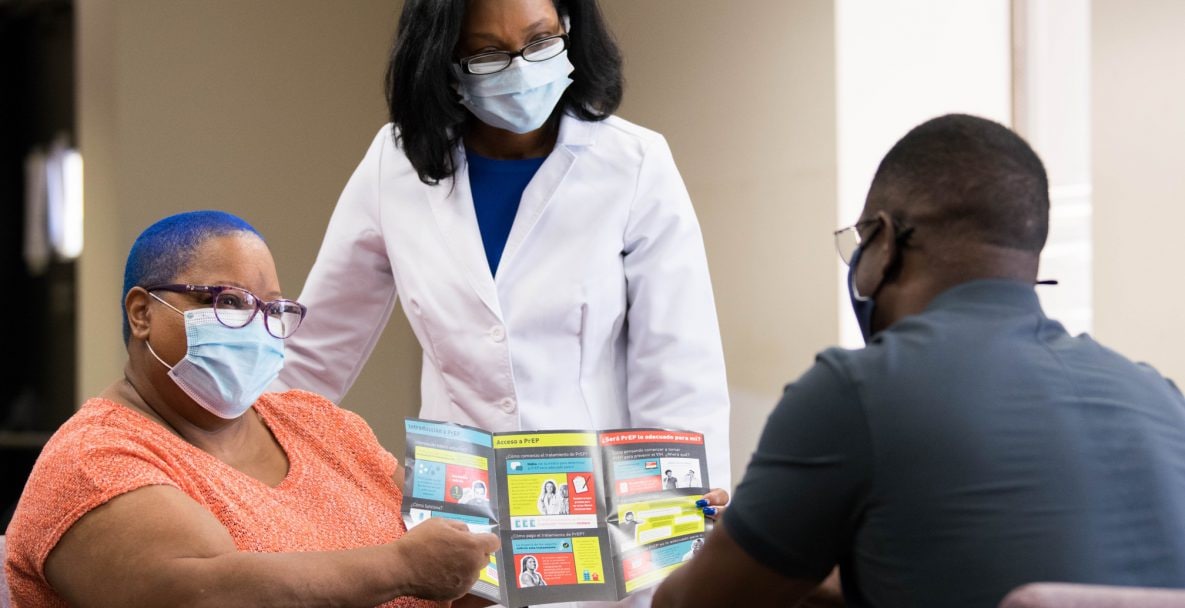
(184, 483)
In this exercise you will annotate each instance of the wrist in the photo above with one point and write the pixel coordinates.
(400, 573)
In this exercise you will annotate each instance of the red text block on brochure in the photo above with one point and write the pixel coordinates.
(549, 569)
(465, 484)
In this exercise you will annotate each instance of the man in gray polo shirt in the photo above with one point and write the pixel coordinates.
(973, 445)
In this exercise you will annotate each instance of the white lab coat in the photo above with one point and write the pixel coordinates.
(600, 314)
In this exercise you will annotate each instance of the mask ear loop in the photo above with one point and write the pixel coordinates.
(899, 239)
(149, 344)
(153, 352)
(852, 276)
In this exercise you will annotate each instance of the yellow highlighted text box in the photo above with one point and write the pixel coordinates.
(587, 555)
(449, 457)
(545, 440)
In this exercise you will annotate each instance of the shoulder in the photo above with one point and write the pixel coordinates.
(614, 136)
(385, 151)
(101, 452)
(622, 129)
(312, 412)
(826, 389)
(387, 135)
(100, 430)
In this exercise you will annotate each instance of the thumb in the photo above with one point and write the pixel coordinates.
(487, 542)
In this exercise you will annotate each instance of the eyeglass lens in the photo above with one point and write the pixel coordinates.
(283, 317)
(846, 242)
(235, 308)
(496, 61)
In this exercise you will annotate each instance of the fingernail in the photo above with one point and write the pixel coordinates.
(703, 502)
(709, 511)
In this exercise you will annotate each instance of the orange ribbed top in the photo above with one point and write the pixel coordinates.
(338, 494)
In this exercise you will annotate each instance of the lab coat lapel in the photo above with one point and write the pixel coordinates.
(452, 206)
(540, 192)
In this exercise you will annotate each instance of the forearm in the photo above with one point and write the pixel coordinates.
(359, 577)
(156, 547)
(722, 574)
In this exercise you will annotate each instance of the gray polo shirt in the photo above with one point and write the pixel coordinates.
(968, 450)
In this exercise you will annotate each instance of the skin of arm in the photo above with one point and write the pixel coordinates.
(155, 546)
(722, 574)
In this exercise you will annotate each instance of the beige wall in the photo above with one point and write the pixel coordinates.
(1138, 125)
(265, 107)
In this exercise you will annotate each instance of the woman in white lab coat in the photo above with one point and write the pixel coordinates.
(546, 253)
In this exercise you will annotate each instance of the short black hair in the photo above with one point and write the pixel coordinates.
(425, 109)
(967, 178)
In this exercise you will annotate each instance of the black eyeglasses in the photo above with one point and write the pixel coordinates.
(492, 62)
(235, 307)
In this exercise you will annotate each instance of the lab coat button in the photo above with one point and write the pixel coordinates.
(497, 334)
(507, 405)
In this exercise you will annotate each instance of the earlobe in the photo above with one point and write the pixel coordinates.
(136, 305)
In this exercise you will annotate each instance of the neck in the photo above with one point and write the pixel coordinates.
(211, 434)
(492, 142)
(925, 275)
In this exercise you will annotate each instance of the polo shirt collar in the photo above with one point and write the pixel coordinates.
(997, 293)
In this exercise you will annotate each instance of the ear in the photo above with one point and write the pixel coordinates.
(137, 306)
(888, 249)
(893, 255)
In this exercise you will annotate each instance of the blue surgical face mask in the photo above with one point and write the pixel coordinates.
(225, 370)
(521, 97)
(863, 306)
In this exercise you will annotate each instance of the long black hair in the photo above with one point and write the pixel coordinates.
(425, 109)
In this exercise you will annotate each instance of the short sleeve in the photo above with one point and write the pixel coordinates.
(796, 507)
(76, 474)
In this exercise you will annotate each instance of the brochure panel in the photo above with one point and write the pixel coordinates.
(554, 541)
(654, 478)
(448, 475)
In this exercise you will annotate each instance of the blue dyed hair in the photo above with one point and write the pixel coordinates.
(165, 248)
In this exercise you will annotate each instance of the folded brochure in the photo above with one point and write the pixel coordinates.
(582, 515)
